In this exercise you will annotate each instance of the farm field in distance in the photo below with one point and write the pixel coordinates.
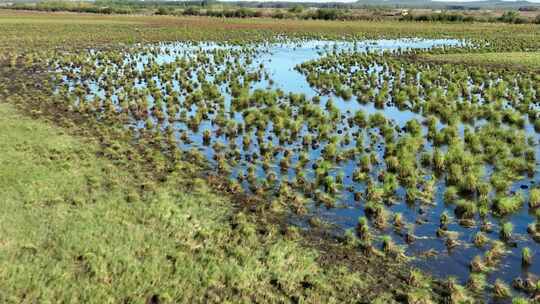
(195, 159)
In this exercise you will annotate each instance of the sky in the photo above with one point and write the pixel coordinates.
(536, 1)
(382, 1)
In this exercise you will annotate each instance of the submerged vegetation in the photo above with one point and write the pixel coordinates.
(422, 154)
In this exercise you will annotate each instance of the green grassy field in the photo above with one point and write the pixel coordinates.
(23, 31)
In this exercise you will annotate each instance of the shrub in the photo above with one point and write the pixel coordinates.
(327, 14)
(192, 11)
(297, 9)
(163, 11)
(512, 17)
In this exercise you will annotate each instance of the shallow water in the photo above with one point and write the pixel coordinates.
(279, 61)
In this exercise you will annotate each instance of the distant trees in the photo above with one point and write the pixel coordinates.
(440, 17)
(163, 11)
(208, 8)
(192, 11)
(234, 13)
(512, 17)
(297, 9)
(327, 14)
(294, 12)
(506, 17)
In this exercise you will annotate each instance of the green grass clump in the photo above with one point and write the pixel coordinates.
(501, 290)
(419, 296)
(506, 231)
(508, 204)
(534, 198)
(417, 279)
(477, 282)
(520, 301)
(458, 293)
(451, 194)
(465, 209)
(480, 239)
(477, 265)
(526, 256)
(363, 229)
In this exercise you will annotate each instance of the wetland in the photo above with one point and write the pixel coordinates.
(164, 159)
(435, 164)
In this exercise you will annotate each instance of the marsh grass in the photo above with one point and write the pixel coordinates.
(506, 231)
(534, 198)
(520, 301)
(269, 134)
(477, 282)
(526, 256)
(480, 239)
(508, 204)
(110, 241)
(523, 59)
(501, 290)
